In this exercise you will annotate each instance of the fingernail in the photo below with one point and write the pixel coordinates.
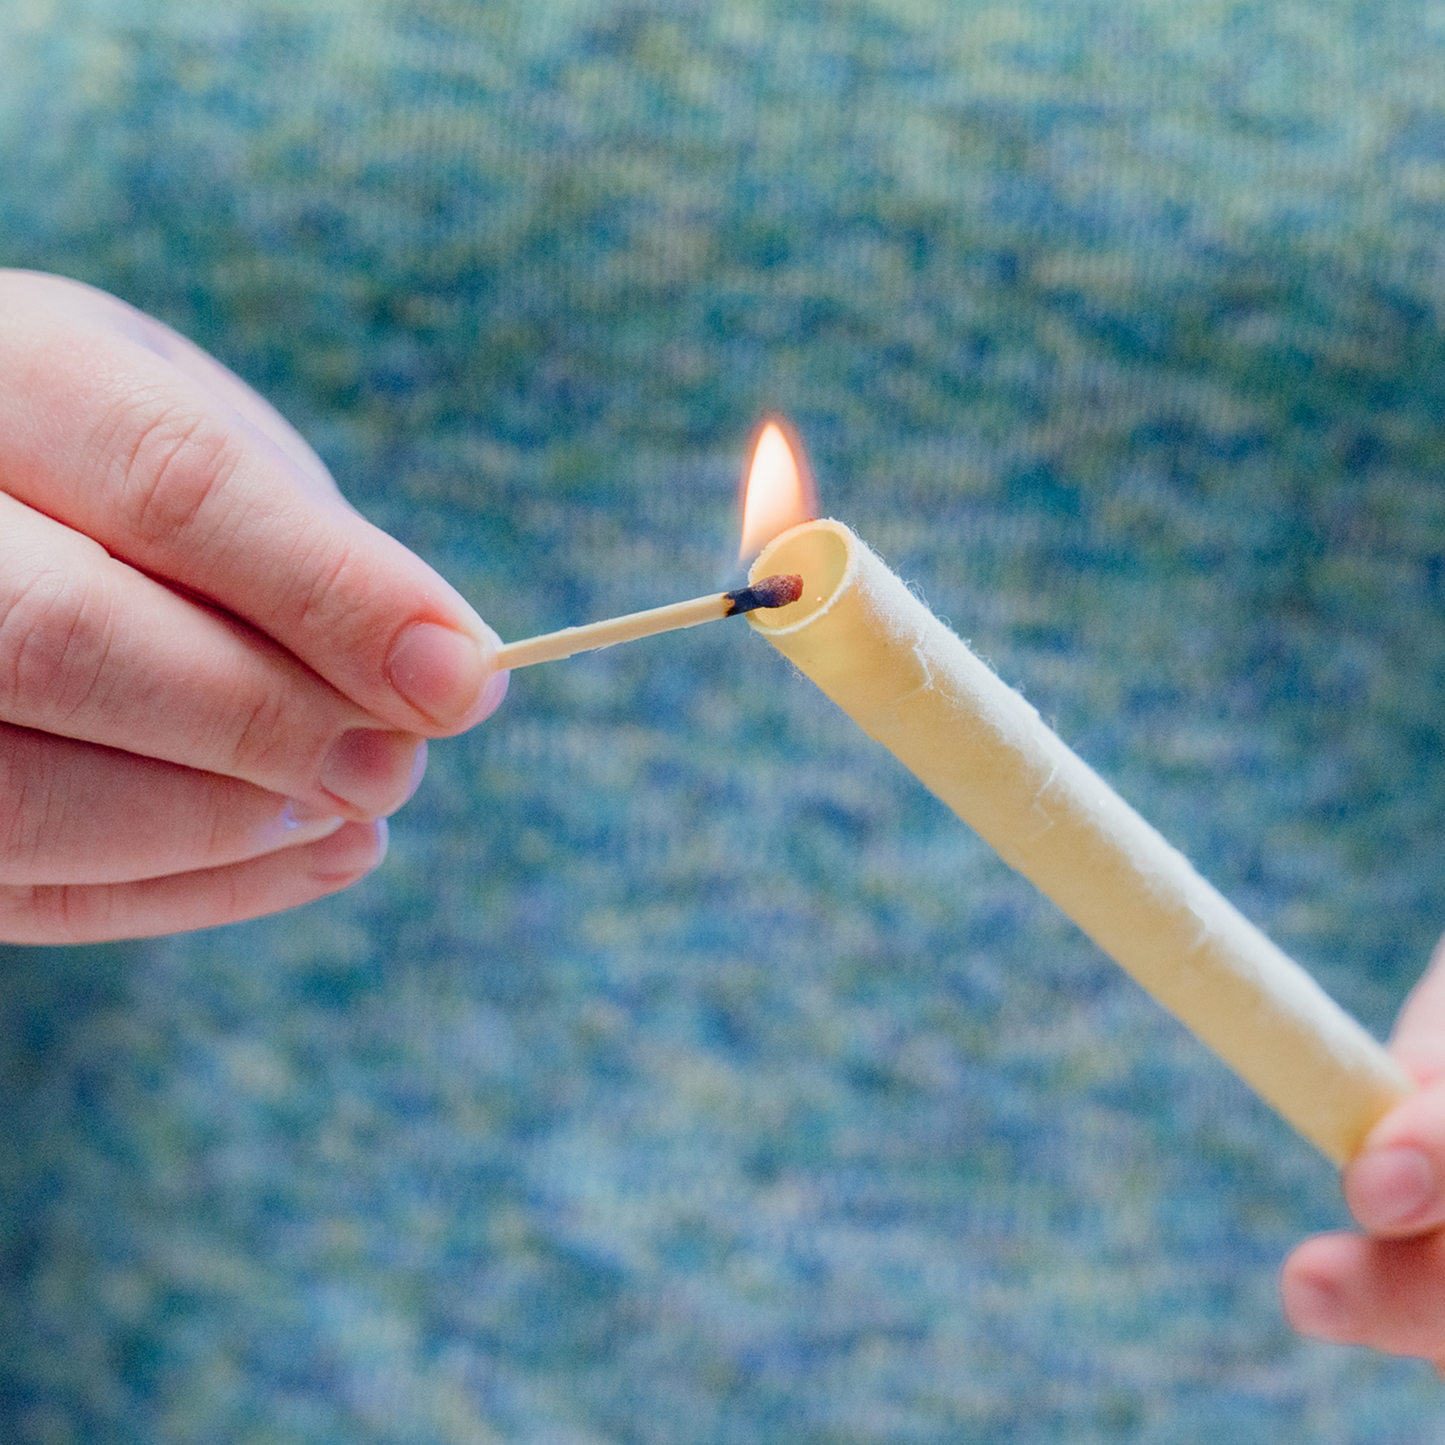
(372, 771)
(299, 814)
(296, 823)
(418, 771)
(438, 670)
(1314, 1307)
(493, 693)
(351, 850)
(1386, 1187)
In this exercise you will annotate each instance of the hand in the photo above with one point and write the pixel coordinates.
(1387, 1290)
(215, 677)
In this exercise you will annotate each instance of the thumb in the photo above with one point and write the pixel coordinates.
(1395, 1185)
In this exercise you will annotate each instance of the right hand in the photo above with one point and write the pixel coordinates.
(215, 677)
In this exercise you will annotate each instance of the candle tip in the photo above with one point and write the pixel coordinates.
(766, 592)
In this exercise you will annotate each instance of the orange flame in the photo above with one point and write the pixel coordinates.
(779, 492)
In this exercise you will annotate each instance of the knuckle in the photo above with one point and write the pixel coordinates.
(39, 812)
(56, 635)
(332, 593)
(17, 829)
(164, 462)
(58, 912)
(30, 808)
(262, 737)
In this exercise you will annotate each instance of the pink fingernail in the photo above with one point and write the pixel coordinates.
(438, 670)
(1385, 1188)
(1313, 1307)
(298, 815)
(494, 692)
(300, 823)
(352, 850)
(418, 771)
(296, 823)
(373, 771)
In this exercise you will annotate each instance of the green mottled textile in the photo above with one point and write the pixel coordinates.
(687, 1076)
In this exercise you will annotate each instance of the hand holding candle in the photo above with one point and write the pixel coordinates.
(915, 687)
(1389, 1291)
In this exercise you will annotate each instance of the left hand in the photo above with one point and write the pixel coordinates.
(1386, 1288)
(216, 678)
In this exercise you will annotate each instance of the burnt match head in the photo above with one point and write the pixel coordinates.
(766, 592)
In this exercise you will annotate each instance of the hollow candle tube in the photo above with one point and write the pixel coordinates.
(911, 684)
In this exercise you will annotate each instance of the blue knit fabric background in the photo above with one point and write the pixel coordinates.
(687, 1074)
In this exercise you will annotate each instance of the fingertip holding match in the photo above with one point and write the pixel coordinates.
(776, 591)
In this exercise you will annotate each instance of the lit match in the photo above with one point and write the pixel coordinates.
(552, 646)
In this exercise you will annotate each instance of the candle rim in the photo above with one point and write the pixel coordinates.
(770, 622)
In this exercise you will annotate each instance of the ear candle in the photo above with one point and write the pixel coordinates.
(553, 646)
(916, 688)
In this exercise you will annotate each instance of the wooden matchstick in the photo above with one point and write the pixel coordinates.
(551, 646)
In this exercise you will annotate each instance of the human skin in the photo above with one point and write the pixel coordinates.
(216, 678)
(1386, 1288)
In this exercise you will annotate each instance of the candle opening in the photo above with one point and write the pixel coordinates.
(822, 553)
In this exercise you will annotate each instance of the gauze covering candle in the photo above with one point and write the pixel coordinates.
(914, 686)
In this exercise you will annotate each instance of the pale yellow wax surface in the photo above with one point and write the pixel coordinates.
(910, 683)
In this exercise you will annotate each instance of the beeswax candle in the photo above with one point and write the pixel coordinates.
(910, 683)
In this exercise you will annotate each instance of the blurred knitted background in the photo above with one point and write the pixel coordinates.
(687, 1074)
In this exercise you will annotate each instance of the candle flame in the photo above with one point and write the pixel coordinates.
(779, 492)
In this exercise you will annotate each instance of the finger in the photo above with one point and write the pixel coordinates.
(1418, 1040)
(124, 446)
(204, 899)
(76, 813)
(1388, 1294)
(1395, 1186)
(92, 308)
(94, 650)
